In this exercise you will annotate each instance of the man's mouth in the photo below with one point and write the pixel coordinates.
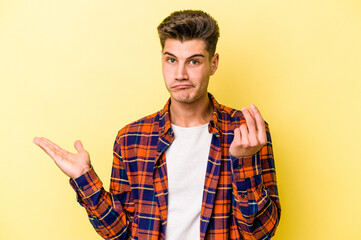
(182, 86)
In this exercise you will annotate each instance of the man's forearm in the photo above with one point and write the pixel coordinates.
(256, 203)
(104, 210)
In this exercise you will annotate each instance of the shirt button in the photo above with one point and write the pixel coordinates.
(239, 166)
(158, 149)
(242, 196)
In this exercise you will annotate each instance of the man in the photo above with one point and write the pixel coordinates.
(195, 169)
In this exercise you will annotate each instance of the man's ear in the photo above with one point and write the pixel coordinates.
(214, 63)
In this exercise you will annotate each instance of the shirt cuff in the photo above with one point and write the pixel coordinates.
(86, 185)
(247, 184)
(247, 166)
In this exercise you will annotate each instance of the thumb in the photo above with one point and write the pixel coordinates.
(78, 146)
(237, 136)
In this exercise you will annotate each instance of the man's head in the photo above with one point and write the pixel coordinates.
(189, 25)
(189, 40)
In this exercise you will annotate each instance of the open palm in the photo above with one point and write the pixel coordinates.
(72, 164)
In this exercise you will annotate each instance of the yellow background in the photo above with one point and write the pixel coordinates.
(83, 69)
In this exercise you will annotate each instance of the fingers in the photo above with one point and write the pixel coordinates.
(250, 137)
(53, 150)
(241, 135)
(43, 144)
(257, 116)
(249, 119)
(237, 136)
(261, 128)
(78, 146)
(251, 112)
(256, 125)
(244, 135)
(251, 132)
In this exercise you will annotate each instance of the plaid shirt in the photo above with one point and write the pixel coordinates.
(240, 196)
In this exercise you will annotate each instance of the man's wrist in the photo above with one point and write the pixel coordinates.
(86, 185)
(85, 170)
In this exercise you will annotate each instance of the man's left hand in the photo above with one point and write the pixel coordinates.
(251, 137)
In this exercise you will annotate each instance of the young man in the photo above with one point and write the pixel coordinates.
(195, 169)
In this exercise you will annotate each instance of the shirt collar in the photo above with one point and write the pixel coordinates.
(214, 123)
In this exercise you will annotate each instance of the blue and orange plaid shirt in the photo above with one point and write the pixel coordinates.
(240, 196)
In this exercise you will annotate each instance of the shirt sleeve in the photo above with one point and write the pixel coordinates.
(110, 213)
(256, 204)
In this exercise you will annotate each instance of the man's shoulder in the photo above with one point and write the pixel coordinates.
(143, 126)
(230, 114)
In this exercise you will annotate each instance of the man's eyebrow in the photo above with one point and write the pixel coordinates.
(194, 55)
(168, 53)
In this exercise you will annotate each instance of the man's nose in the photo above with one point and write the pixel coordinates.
(181, 72)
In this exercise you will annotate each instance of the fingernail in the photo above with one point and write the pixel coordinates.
(253, 106)
(244, 108)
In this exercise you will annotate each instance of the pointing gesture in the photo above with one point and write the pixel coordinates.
(251, 137)
(72, 164)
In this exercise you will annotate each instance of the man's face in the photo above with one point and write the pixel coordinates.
(186, 69)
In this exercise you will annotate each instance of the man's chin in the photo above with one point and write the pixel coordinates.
(186, 99)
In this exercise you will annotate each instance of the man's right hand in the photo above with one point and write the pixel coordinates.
(73, 165)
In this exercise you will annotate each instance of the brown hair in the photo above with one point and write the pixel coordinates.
(188, 25)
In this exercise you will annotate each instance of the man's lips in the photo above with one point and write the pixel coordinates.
(182, 86)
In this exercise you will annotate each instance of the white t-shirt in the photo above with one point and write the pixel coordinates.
(186, 160)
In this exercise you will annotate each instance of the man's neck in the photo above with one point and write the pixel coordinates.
(191, 114)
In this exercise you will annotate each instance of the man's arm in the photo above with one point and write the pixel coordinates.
(256, 203)
(110, 213)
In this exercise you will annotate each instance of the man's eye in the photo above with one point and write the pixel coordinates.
(194, 62)
(171, 60)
